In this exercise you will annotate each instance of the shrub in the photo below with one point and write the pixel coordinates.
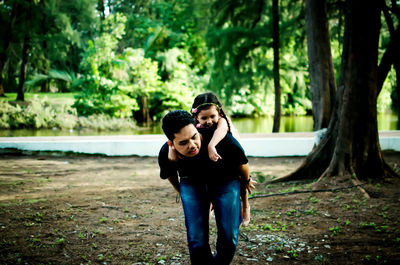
(40, 114)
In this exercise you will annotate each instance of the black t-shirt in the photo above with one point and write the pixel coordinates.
(200, 168)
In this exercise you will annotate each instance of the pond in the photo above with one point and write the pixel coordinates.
(386, 122)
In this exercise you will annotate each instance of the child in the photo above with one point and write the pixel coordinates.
(207, 111)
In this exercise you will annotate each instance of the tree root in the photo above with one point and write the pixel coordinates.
(357, 183)
(390, 171)
(305, 191)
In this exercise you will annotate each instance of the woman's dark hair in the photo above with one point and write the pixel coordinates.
(205, 101)
(174, 121)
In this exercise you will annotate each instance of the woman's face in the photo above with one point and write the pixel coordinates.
(208, 117)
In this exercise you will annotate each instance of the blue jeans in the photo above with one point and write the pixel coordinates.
(225, 198)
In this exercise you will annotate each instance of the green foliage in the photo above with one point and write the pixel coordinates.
(53, 75)
(155, 56)
(36, 114)
(41, 114)
(242, 72)
(120, 84)
(100, 90)
(57, 32)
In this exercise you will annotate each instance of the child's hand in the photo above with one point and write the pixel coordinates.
(172, 155)
(212, 153)
(249, 186)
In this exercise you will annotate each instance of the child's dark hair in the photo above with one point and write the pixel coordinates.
(205, 101)
(174, 121)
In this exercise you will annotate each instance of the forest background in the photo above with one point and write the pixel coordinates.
(127, 62)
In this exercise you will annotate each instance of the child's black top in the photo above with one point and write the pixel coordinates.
(200, 168)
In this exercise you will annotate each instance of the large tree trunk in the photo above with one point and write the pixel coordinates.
(24, 64)
(357, 149)
(351, 145)
(322, 76)
(275, 44)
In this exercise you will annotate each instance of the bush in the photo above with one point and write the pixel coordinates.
(36, 114)
(40, 114)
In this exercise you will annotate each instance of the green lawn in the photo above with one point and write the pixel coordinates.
(55, 98)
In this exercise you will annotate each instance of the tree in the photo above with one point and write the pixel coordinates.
(322, 76)
(241, 41)
(391, 55)
(26, 45)
(275, 45)
(351, 145)
(11, 13)
(101, 9)
(55, 32)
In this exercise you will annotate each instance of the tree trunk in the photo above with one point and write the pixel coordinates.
(2, 64)
(1, 86)
(351, 145)
(275, 44)
(143, 114)
(45, 87)
(24, 64)
(391, 57)
(101, 9)
(357, 149)
(322, 76)
(146, 110)
(396, 63)
(397, 93)
(392, 53)
(6, 45)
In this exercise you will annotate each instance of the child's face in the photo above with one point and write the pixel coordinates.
(208, 117)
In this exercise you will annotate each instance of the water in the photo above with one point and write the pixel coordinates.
(386, 122)
(264, 124)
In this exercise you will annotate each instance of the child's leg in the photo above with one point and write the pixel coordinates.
(245, 206)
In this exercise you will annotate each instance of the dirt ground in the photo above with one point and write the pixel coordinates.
(74, 209)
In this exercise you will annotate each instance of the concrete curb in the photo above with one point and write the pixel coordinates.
(259, 145)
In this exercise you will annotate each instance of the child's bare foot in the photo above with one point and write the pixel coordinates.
(211, 213)
(246, 215)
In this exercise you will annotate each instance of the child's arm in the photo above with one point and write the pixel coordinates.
(244, 172)
(172, 154)
(219, 134)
